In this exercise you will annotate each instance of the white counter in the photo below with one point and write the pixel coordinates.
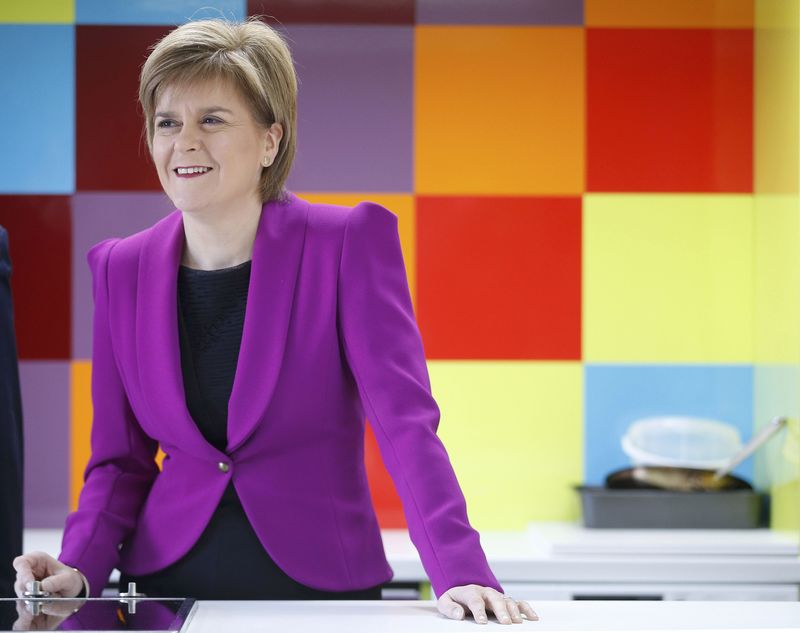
(557, 561)
(422, 616)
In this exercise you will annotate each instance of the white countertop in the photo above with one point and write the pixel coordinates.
(390, 616)
(561, 552)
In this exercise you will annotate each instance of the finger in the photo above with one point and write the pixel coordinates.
(449, 607)
(526, 609)
(476, 604)
(498, 605)
(64, 584)
(513, 610)
(24, 571)
(38, 564)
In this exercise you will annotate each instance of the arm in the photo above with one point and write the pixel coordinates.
(122, 466)
(384, 349)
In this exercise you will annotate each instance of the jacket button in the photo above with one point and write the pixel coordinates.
(223, 467)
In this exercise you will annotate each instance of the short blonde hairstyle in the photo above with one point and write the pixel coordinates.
(250, 54)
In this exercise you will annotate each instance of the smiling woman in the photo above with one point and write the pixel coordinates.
(249, 334)
(211, 157)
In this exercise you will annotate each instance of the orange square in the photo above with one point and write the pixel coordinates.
(499, 110)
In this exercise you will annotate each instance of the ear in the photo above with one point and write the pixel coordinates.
(272, 138)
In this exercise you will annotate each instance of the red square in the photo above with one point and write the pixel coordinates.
(111, 150)
(499, 278)
(40, 238)
(384, 495)
(333, 11)
(670, 110)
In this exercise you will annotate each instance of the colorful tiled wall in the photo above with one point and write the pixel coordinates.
(574, 183)
(777, 260)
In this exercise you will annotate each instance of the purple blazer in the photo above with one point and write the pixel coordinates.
(329, 337)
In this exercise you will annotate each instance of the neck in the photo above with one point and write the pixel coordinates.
(217, 240)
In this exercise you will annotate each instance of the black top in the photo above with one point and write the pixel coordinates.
(211, 312)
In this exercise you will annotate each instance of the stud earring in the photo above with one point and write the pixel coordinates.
(267, 161)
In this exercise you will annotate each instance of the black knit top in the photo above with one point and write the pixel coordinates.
(212, 306)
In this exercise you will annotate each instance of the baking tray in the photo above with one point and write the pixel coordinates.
(733, 509)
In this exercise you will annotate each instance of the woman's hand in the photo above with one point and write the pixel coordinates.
(454, 602)
(58, 579)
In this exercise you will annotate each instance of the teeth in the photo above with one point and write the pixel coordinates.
(192, 170)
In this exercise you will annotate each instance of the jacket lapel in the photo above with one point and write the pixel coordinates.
(273, 275)
(157, 346)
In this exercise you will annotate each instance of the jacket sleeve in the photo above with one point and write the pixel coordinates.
(384, 350)
(122, 465)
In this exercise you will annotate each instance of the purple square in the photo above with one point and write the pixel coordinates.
(355, 108)
(44, 386)
(95, 217)
(512, 12)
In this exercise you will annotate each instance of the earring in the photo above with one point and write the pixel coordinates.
(267, 161)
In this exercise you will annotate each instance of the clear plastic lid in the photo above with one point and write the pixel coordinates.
(681, 441)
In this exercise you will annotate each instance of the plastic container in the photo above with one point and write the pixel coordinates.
(735, 509)
(681, 441)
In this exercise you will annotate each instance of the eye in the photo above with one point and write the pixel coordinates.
(211, 119)
(165, 123)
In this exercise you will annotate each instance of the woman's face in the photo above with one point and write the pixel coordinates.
(208, 125)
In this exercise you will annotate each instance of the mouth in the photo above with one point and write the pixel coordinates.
(193, 171)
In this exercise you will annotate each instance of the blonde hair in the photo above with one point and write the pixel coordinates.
(250, 54)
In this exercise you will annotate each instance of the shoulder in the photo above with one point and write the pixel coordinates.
(340, 218)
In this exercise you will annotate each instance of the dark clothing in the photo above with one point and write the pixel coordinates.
(211, 315)
(228, 562)
(10, 431)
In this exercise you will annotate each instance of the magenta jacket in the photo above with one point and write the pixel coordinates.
(329, 337)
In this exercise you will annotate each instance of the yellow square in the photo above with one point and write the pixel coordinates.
(668, 278)
(37, 12)
(514, 433)
(777, 279)
(499, 110)
(401, 204)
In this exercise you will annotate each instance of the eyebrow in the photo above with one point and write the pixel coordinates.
(204, 111)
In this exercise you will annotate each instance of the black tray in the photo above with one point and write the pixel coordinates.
(734, 509)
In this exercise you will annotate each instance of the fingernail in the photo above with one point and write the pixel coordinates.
(29, 586)
(504, 618)
(456, 613)
(482, 618)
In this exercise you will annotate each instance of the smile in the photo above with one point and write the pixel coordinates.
(191, 171)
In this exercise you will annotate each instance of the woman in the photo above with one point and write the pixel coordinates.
(247, 334)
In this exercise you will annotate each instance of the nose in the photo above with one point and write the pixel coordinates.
(188, 138)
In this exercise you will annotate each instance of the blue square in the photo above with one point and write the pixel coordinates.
(38, 91)
(617, 395)
(149, 12)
